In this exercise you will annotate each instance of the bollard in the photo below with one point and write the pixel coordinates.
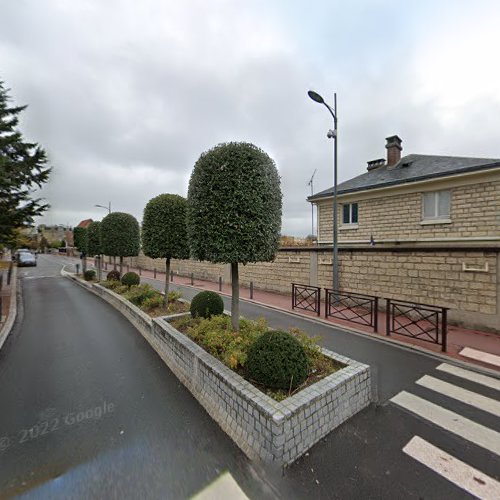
(9, 273)
(77, 269)
(192, 279)
(220, 283)
(172, 276)
(154, 273)
(251, 289)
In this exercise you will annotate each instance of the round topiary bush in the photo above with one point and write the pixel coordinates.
(113, 275)
(277, 360)
(89, 275)
(131, 279)
(206, 304)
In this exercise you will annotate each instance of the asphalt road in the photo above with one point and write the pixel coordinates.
(89, 410)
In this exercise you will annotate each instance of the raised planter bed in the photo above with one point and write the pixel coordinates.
(277, 432)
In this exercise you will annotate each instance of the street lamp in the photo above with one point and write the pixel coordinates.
(108, 208)
(332, 134)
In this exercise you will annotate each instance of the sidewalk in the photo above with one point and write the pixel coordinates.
(481, 346)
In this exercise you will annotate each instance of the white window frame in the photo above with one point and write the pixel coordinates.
(436, 218)
(350, 224)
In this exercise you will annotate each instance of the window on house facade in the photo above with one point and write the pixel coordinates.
(436, 205)
(350, 213)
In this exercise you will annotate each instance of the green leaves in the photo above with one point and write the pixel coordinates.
(94, 238)
(234, 205)
(22, 169)
(119, 235)
(81, 239)
(164, 232)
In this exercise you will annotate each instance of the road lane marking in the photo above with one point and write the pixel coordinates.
(224, 487)
(485, 357)
(491, 382)
(459, 473)
(450, 421)
(454, 391)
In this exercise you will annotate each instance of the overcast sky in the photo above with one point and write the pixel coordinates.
(125, 95)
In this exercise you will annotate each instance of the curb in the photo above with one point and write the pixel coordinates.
(11, 317)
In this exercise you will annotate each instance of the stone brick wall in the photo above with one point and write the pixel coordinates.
(431, 276)
(474, 213)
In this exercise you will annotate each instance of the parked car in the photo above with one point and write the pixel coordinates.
(15, 257)
(26, 259)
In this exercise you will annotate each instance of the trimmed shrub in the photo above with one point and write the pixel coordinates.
(113, 275)
(89, 275)
(277, 360)
(206, 304)
(131, 279)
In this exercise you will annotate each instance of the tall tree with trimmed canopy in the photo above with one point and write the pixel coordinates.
(81, 241)
(234, 209)
(120, 236)
(94, 242)
(94, 238)
(164, 234)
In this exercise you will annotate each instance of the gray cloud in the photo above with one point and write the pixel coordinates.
(126, 95)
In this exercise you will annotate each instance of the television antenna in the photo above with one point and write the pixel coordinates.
(310, 183)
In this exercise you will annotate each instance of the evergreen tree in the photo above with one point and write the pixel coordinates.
(164, 233)
(234, 209)
(22, 170)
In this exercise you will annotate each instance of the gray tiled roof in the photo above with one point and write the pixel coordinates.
(410, 168)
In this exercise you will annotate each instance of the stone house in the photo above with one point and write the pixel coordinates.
(423, 228)
(416, 200)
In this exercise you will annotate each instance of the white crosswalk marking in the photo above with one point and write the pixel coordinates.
(224, 487)
(464, 476)
(451, 421)
(468, 397)
(454, 470)
(485, 357)
(491, 382)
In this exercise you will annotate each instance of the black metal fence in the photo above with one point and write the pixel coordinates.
(354, 307)
(419, 321)
(306, 297)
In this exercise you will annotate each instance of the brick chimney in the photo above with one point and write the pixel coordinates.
(394, 149)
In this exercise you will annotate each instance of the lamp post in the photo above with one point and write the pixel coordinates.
(332, 134)
(108, 208)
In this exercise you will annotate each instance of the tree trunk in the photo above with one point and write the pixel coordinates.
(99, 268)
(121, 265)
(84, 263)
(167, 277)
(235, 297)
(114, 262)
